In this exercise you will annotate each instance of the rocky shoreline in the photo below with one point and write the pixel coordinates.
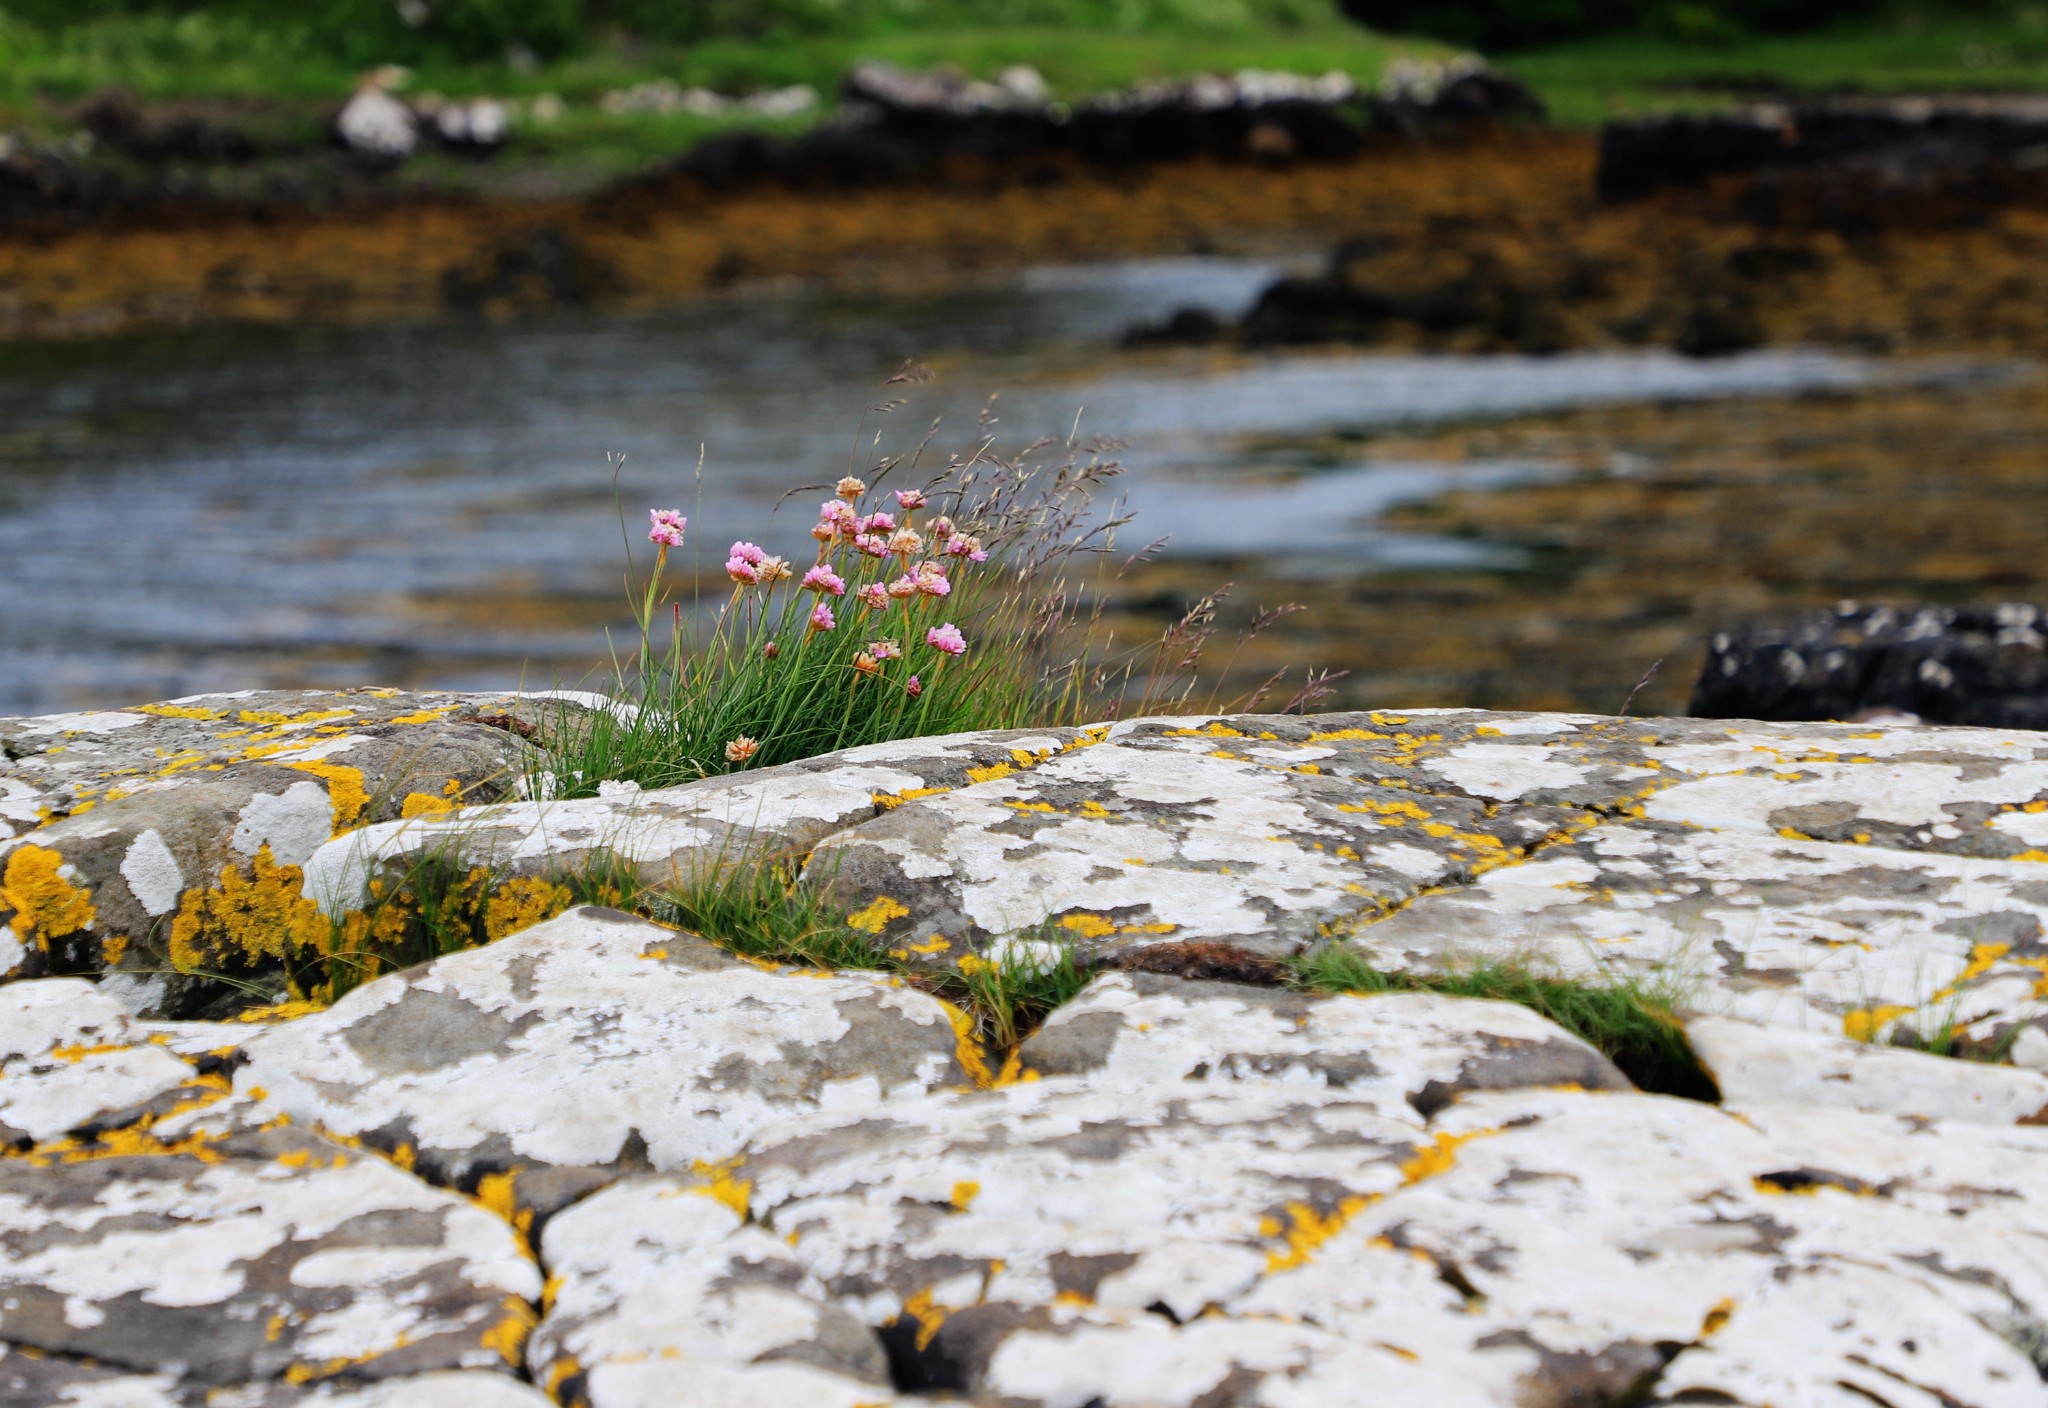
(604, 1160)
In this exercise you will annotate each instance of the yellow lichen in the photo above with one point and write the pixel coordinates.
(424, 804)
(929, 1317)
(257, 914)
(508, 1336)
(964, 1194)
(1429, 1160)
(46, 906)
(180, 711)
(1305, 1230)
(112, 947)
(878, 915)
(721, 1186)
(1088, 926)
(424, 716)
(967, 1048)
(992, 773)
(521, 904)
(345, 791)
(1865, 1023)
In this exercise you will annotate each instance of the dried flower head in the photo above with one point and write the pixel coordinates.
(741, 749)
(942, 528)
(905, 541)
(903, 587)
(776, 569)
(946, 638)
(874, 596)
(851, 488)
(665, 527)
(866, 664)
(885, 650)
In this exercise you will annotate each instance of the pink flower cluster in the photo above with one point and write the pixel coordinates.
(666, 527)
(750, 567)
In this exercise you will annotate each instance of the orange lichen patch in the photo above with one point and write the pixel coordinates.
(508, 1336)
(521, 904)
(929, 1317)
(279, 1012)
(1088, 926)
(255, 914)
(722, 1186)
(345, 791)
(994, 772)
(303, 1373)
(967, 1047)
(889, 801)
(424, 804)
(964, 1194)
(1214, 729)
(424, 716)
(877, 915)
(273, 717)
(498, 1193)
(133, 1142)
(46, 906)
(1305, 1230)
(1429, 1160)
(1390, 813)
(1864, 1024)
(559, 1373)
(181, 711)
(1031, 806)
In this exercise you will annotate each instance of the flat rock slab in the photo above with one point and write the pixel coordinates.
(597, 1040)
(113, 824)
(32, 1380)
(1218, 1197)
(268, 1257)
(68, 1054)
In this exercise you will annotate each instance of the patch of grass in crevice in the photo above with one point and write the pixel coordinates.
(1630, 1022)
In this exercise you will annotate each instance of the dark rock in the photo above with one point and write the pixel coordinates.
(1979, 665)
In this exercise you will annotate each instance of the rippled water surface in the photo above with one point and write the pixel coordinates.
(432, 505)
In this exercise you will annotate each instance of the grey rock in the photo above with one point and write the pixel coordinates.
(68, 1055)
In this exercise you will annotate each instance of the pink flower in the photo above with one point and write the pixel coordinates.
(946, 638)
(666, 527)
(905, 541)
(872, 545)
(878, 523)
(823, 580)
(909, 499)
(851, 488)
(933, 584)
(749, 553)
(885, 650)
(826, 531)
(942, 528)
(865, 664)
(770, 650)
(742, 571)
(874, 596)
(741, 749)
(903, 587)
(821, 618)
(913, 689)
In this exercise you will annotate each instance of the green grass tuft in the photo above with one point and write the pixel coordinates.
(1631, 1023)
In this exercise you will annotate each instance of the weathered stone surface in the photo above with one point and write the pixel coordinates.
(32, 1380)
(1754, 1064)
(67, 1054)
(683, 833)
(115, 825)
(596, 1039)
(278, 1256)
(1212, 1197)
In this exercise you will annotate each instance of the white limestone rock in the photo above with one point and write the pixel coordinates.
(1754, 1064)
(69, 1054)
(597, 1039)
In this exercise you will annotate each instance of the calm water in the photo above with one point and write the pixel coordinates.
(432, 505)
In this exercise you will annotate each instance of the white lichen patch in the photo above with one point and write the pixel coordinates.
(624, 1041)
(68, 1054)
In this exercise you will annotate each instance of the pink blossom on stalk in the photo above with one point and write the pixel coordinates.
(872, 545)
(913, 688)
(933, 584)
(905, 541)
(909, 499)
(748, 552)
(865, 664)
(826, 531)
(885, 650)
(742, 571)
(874, 595)
(942, 528)
(878, 523)
(946, 638)
(823, 580)
(904, 586)
(821, 618)
(968, 546)
(666, 527)
(850, 488)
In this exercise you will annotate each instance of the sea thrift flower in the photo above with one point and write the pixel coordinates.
(826, 531)
(874, 595)
(666, 527)
(776, 569)
(770, 650)
(885, 650)
(946, 638)
(748, 552)
(878, 523)
(865, 664)
(942, 528)
(851, 488)
(742, 571)
(903, 587)
(909, 499)
(872, 545)
(933, 584)
(906, 541)
(913, 689)
(821, 618)
(741, 749)
(968, 546)
(824, 580)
